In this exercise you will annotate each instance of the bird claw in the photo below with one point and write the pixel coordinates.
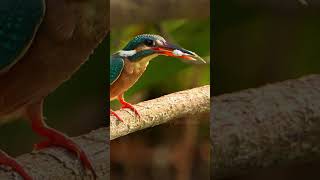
(8, 161)
(125, 106)
(65, 142)
(116, 115)
(54, 137)
(129, 106)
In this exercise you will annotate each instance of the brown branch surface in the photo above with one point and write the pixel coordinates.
(56, 163)
(127, 12)
(273, 125)
(161, 110)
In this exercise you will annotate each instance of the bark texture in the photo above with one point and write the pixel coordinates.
(56, 163)
(161, 110)
(273, 125)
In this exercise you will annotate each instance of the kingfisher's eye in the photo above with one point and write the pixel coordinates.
(149, 42)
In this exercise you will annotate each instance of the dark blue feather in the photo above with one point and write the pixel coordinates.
(116, 67)
(19, 21)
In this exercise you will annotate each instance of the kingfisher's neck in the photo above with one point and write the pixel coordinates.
(144, 55)
(138, 67)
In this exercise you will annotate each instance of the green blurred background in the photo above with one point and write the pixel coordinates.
(177, 150)
(75, 108)
(166, 75)
(261, 42)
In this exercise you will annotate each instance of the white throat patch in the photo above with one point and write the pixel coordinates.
(127, 53)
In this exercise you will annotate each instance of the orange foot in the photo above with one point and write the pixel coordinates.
(54, 137)
(127, 105)
(9, 161)
(116, 115)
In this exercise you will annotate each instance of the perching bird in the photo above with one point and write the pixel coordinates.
(128, 64)
(42, 43)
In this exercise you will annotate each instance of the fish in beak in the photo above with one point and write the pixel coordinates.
(175, 51)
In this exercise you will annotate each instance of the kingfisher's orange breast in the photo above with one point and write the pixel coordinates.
(129, 76)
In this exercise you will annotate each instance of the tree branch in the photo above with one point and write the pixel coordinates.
(56, 163)
(273, 125)
(161, 110)
(127, 12)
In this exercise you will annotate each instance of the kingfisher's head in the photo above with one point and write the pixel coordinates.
(148, 46)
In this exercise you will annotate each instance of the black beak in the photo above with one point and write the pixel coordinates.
(175, 51)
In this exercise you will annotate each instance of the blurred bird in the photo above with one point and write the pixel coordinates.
(42, 43)
(128, 64)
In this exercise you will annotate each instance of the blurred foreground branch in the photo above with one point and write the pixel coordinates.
(56, 163)
(127, 12)
(273, 125)
(161, 110)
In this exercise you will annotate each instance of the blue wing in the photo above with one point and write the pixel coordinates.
(19, 22)
(116, 67)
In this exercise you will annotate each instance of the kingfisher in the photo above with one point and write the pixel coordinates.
(128, 64)
(42, 43)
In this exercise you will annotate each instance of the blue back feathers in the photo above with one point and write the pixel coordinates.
(116, 67)
(19, 21)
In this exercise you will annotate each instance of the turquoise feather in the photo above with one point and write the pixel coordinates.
(19, 21)
(117, 63)
(116, 67)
